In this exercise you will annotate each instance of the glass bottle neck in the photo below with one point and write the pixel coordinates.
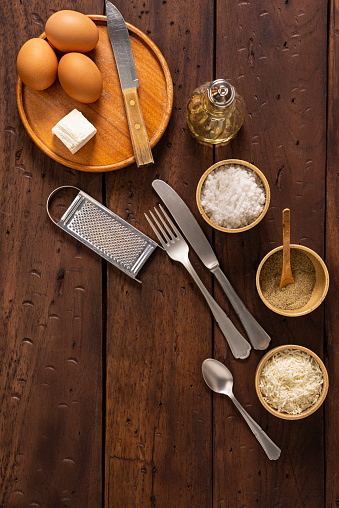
(214, 110)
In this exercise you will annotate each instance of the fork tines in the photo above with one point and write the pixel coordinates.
(168, 235)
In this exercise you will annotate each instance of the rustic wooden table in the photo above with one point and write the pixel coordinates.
(102, 397)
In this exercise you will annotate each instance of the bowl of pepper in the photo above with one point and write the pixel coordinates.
(311, 281)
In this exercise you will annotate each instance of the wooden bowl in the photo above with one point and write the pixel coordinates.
(319, 291)
(111, 147)
(310, 410)
(247, 165)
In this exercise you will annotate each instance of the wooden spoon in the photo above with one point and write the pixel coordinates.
(286, 274)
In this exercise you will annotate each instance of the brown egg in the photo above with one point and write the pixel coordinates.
(80, 77)
(71, 31)
(37, 64)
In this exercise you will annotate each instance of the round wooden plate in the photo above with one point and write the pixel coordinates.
(111, 147)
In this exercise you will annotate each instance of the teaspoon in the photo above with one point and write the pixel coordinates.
(219, 379)
(286, 274)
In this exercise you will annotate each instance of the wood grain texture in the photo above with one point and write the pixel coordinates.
(159, 419)
(111, 147)
(275, 55)
(332, 261)
(167, 441)
(50, 373)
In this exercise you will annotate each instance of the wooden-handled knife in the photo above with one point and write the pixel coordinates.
(124, 59)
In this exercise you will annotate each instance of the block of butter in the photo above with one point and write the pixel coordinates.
(74, 130)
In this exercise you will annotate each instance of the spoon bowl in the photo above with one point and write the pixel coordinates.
(219, 379)
(217, 376)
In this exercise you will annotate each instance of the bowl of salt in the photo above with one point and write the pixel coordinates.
(233, 196)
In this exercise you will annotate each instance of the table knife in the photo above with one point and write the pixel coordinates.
(121, 44)
(194, 234)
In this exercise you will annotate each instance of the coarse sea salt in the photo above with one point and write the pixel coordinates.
(233, 196)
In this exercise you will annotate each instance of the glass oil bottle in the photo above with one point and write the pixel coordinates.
(215, 112)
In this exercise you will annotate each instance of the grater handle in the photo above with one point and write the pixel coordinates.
(52, 194)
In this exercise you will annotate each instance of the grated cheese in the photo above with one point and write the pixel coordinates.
(291, 381)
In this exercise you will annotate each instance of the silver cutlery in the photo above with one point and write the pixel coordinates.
(195, 236)
(177, 249)
(219, 379)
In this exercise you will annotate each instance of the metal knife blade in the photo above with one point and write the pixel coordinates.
(121, 44)
(187, 223)
(196, 237)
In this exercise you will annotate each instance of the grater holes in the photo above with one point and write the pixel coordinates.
(107, 235)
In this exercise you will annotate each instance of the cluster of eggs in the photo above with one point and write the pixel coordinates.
(71, 33)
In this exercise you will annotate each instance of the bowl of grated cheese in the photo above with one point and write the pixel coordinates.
(291, 382)
(233, 196)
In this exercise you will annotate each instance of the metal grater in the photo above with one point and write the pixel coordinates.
(105, 233)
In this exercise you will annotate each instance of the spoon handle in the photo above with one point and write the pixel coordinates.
(286, 275)
(271, 449)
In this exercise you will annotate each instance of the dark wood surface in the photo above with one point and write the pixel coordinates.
(102, 398)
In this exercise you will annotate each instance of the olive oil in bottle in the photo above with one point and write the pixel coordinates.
(215, 112)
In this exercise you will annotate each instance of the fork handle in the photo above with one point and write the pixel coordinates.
(257, 335)
(238, 344)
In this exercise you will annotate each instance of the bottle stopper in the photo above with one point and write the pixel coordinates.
(221, 93)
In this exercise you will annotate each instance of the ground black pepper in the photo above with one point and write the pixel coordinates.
(293, 296)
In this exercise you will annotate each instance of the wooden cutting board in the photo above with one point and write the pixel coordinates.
(111, 147)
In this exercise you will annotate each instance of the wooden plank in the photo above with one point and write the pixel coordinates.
(332, 262)
(275, 54)
(50, 374)
(159, 420)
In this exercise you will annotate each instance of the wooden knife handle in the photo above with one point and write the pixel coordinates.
(137, 128)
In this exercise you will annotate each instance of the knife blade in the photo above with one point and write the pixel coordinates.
(196, 237)
(123, 54)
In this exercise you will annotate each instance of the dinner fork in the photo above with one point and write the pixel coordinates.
(177, 249)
